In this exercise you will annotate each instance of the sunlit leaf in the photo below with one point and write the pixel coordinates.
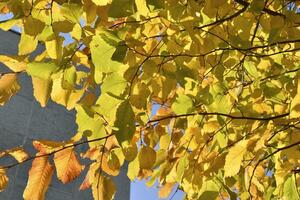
(40, 176)
(3, 179)
(67, 165)
(9, 86)
(103, 188)
(234, 158)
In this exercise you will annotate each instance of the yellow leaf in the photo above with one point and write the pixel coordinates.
(234, 158)
(55, 47)
(67, 165)
(41, 90)
(18, 153)
(3, 179)
(66, 97)
(40, 176)
(103, 188)
(15, 63)
(27, 44)
(295, 105)
(141, 6)
(9, 86)
(147, 157)
(133, 169)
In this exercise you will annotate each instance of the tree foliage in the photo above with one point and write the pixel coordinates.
(199, 95)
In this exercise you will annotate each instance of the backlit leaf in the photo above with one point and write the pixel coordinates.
(9, 86)
(147, 157)
(40, 176)
(67, 165)
(3, 179)
(234, 158)
(124, 123)
(103, 188)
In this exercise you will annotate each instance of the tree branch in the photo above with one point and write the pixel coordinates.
(55, 151)
(221, 114)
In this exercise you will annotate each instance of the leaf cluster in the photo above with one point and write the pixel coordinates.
(199, 95)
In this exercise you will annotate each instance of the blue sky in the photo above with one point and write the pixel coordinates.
(138, 189)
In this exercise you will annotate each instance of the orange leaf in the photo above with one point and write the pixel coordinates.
(9, 86)
(89, 178)
(67, 165)
(166, 190)
(45, 146)
(3, 179)
(40, 176)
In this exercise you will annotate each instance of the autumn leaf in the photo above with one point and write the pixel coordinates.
(41, 90)
(234, 158)
(166, 190)
(15, 63)
(90, 176)
(39, 179)
(67, 165)
(197, 95)
(3, 179)
(18, 153)
(103, 188)
(9, 86)
(147, 157)
(46, 146)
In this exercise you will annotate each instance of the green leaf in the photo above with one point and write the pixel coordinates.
(125, 123)
(290, 190)
(70, 77)
(107, 106)
(114, 84)
(90, 125)
(102, 50)
(182, 105)
(209, 190)
(72, 11)
(41, 70)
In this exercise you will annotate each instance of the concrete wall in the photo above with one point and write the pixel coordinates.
(23, 120)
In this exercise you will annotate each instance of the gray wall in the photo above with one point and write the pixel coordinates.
(23, 120)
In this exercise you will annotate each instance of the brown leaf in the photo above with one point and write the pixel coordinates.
(40, 176)
(67, 165)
